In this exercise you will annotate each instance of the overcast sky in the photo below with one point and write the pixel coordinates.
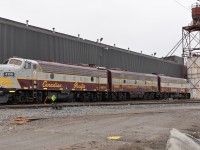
(142, 25)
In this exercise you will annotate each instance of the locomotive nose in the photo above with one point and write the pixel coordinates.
(7, 68)
(1, 75)
(1, 70)
(6, 75)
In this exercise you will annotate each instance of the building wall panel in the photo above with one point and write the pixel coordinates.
(16, 39)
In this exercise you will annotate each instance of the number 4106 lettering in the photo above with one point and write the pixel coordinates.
(9, 74)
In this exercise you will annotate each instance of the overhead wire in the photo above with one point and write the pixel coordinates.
(180, 41)
(182, 5)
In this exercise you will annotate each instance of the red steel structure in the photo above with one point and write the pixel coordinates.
(191, 36)
(191, 48)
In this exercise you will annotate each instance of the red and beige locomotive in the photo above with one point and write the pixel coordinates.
(24, 80)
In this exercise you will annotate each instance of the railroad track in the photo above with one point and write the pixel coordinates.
(114, 103)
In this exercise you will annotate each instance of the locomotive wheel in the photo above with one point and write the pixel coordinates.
(146, 96)
(124, 97)
(85, 97)
(166, 96)
(99, 96)
(22, 99)
(39, 98)
(151, 96)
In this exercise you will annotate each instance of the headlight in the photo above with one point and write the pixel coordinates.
(11, 91)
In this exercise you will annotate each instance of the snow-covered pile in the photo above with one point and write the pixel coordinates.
(181, 141)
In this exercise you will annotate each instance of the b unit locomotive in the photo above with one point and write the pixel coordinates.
(24, 80)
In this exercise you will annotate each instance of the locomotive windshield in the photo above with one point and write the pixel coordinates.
(15, 62)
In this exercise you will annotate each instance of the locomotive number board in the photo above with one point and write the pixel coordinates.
(9, 74)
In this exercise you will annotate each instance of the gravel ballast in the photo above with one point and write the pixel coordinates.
(7, 115)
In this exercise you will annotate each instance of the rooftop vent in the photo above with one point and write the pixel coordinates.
(27, 22)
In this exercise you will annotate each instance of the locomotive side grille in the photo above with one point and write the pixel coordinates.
(72, 70)
(173, 80)
(133, 76)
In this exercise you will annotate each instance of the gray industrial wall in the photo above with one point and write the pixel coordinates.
(17, 39)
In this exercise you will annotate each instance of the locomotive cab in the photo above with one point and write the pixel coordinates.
(17, 67)
(8, 66)
(11, 72)
(8, 72)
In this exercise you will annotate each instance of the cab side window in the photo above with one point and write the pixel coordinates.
(39, 68)
(27, 65)
(34, 67)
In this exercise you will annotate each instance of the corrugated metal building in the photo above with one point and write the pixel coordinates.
(18, 39)
(176, 59)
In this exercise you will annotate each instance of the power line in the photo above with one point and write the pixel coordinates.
(182, 5)
(179, 42)
(176, 46)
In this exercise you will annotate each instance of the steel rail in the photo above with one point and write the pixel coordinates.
(82, 104)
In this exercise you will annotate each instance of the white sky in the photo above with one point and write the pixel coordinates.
(143, 25)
